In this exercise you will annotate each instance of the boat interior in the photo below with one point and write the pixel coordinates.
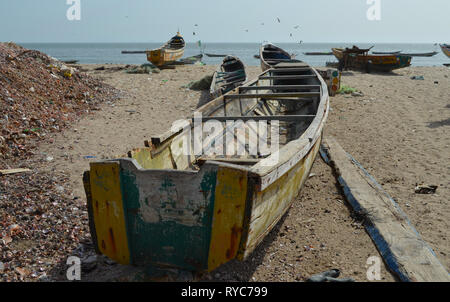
(273, 55)
(231, 74)
(175, 43)
(244, 120)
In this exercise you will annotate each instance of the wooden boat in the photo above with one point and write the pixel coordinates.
(317, 53)
(168, 53)
(162, 206)
(359, 59)
(446, 49)
(421, 54)
(229, 75)
(386, 52)
(214, 55)
(270, 55)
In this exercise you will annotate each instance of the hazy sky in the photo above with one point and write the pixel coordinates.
(415, 21)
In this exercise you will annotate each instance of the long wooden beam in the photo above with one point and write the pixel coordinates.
(288, 77)
(256, 118)
(272, 95)
(279, 87)
(405, 252)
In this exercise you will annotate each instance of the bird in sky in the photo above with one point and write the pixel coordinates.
(291, 35)
(196, 25)
(193, 33)
(296, 27)
(279, 21)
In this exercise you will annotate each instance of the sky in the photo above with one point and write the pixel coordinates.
(401, 21)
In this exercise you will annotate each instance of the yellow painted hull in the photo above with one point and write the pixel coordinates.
(446, 50)
(156, 208)
(160, 57)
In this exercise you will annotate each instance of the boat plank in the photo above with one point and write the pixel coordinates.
(405, 252)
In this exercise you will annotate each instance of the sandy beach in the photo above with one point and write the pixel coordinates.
(396, 127)
(398, 130)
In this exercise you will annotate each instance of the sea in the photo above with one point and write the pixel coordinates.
(110, 53)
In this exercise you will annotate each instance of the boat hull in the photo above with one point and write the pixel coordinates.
(146, 217)
(160, 57)
(382, 63)
(446, 50)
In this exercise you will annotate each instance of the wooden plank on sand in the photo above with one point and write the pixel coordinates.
(404, 251)
(13, 171)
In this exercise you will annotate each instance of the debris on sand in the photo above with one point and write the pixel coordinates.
(40, 95)
(425, 189)
(40, 221)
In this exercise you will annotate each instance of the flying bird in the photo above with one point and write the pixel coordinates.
(296, 27)
(246, 30)
(193, 33)
(291, 35)
(196, 25)
(279, 21)
(262, 23)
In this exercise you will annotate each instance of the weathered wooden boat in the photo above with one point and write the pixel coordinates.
(270, 55)
(168, 53)
(318, 53)
(173, 204)
(229, 75)
(446, 49)
(360, 59)
(420, 54)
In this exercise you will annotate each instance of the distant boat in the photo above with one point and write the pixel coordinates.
(446, 49)
(317, 53)
(229, 75)
(424, 54)
(359, 59)
(271, 55)
(168, 53)
(214, 55)
(386, 52)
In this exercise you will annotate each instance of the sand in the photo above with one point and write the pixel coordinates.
(400, 140)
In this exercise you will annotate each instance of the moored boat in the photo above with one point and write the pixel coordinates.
(270, 55)
(359, 59)
(420, 54)
(168, 53)
(446, 49)
(173, 204)
(318, 53)
(229, 75)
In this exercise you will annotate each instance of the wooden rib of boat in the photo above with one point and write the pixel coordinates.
(271, 55)
(446, 49)
(165, 206)
(318, 53)
(229, 75)
(359, 59)
(168, 53)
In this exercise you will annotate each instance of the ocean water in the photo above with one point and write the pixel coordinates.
(103, 53)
